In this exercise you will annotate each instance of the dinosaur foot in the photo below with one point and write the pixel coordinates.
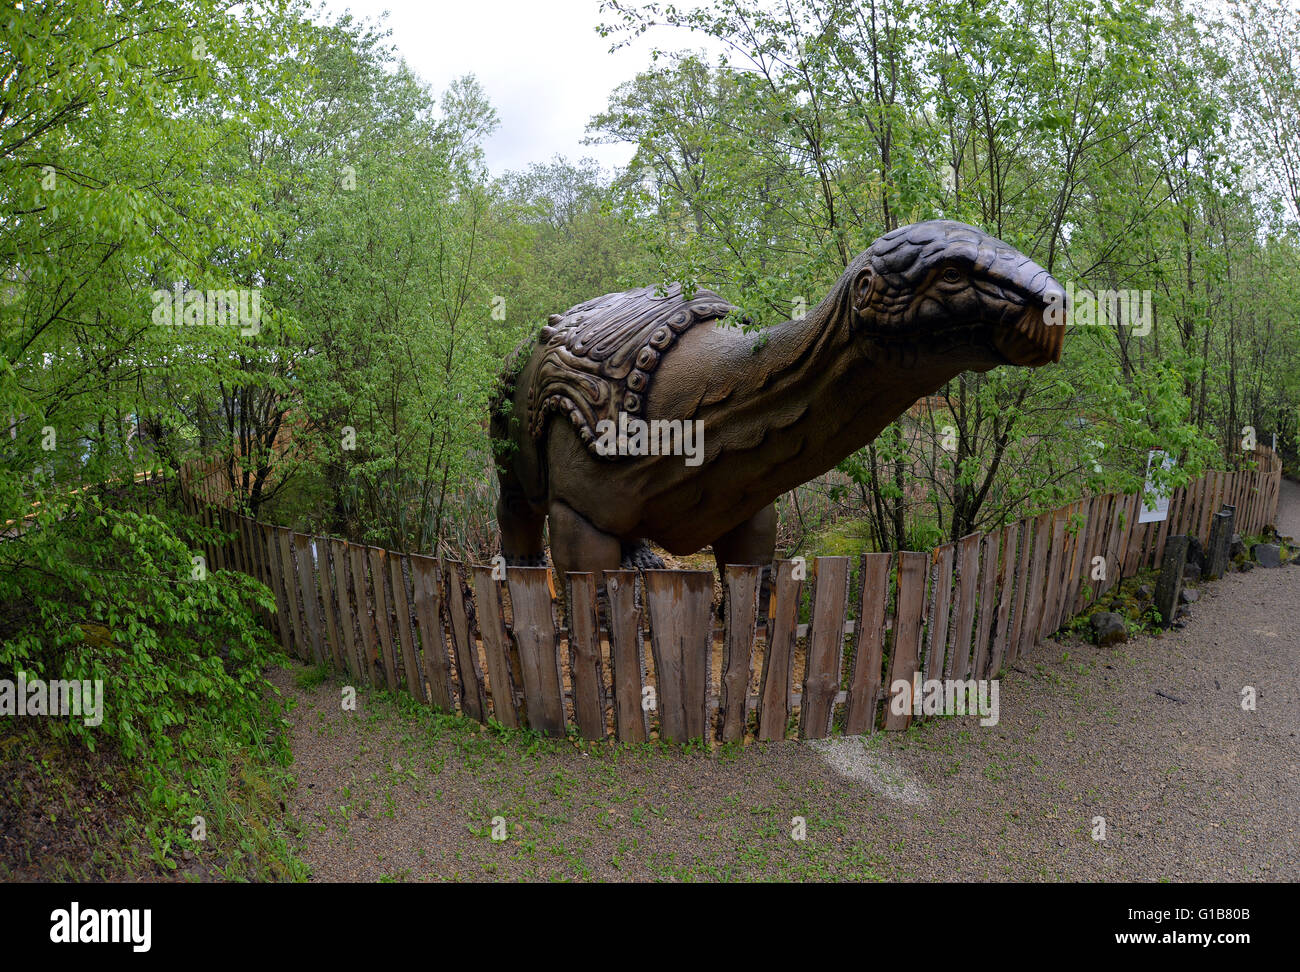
(640, 556)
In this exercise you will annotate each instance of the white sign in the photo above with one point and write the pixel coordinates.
(1155, 502)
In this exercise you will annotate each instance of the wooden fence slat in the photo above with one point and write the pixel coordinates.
(209, 550)
(1162, 535)
(539, 647)
(626, 656)
(283, 627)
(307, 590)
(1051, 604)
(1022, 589)
(1194, 509)
(343, 601)
(1070, 573)
(365, 613)
(778, 658)
(1110, 543)
(378, 558)
(496, 646)
(1220, 488)
(988, 603)
(868, 644)
(1189, 508)
(425, 573)
(241, 542)
(742, 582)
(290, 581)
(905, 658)
(469, 675)
(257, 540)
(1083, 582)
(942, 559)
(330, 598)
(1205, 509)
(825, 657)
(405, 630)
(1034, 591)
(227, 542)
(968, 572)
(218, 549)
(1006, 593)
(239, 546)
(1133, 538)
(584, 656)
(680, 605)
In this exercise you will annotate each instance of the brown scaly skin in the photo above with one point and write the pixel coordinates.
(923, 304)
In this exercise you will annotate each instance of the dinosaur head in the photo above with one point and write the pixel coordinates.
(949, 295)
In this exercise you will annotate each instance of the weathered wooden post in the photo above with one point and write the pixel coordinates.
(1170, 584)
(1216, 557)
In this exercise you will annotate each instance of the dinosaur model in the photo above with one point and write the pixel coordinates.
(742, 417)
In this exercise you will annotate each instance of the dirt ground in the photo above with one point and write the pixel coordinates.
(1190, 785)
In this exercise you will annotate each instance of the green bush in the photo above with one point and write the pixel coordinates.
(112, 594)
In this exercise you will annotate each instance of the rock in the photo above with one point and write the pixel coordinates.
(1183, 613)
(1189, 595)
(1145, 592)
(1267, 554)
(1191, 572)
(1247, 565)
(1108, 628)
(1236, 547)
(1195, 552)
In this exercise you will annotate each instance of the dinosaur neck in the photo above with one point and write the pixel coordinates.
(816, 393)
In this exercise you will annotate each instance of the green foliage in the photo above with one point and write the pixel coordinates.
(108, 595)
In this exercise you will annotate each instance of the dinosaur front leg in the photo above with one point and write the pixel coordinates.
(576, 545)
(752, 542)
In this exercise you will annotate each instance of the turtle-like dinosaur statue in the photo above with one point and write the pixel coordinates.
(921, 305)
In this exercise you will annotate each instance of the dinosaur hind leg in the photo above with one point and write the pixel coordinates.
(752, 542)
(576, 545)
(521, 528)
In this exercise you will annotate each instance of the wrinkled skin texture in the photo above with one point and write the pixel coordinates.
(923, 304)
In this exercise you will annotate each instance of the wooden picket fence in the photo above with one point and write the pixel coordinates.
(461, 638)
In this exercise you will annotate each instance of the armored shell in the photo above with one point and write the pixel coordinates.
(599, 358)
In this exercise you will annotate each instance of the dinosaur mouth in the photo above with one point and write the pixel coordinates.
(1028, 340)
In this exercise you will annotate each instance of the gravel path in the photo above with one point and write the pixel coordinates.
(1195, 789)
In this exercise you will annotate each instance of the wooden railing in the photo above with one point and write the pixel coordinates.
(494, 644)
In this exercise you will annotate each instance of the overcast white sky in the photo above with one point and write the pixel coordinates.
(541, 62)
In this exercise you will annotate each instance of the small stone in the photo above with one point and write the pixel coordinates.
(1189, 595)
(1108, 628)
(1267, 554)
(1236, 547)
(1145, 592)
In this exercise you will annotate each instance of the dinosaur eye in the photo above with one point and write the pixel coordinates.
(952, 275)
